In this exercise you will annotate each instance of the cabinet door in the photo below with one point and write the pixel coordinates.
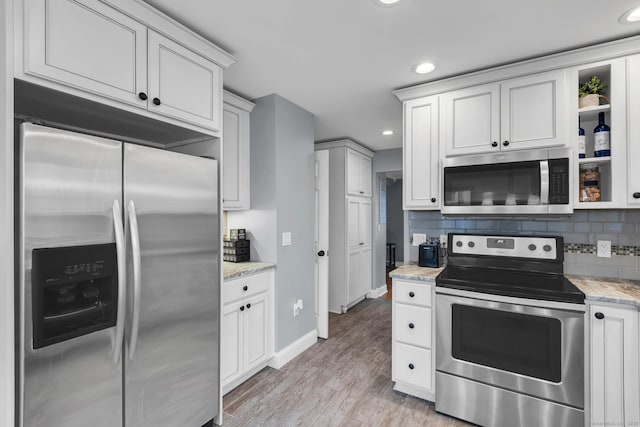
(87, 45)
(235, 162)
(231, 342)
(365, 271)
(421, 150)
(471, 120)
(256, 323)
(534, 111)
(354, 276)
(353, 173)
(615, 394)
(182, 84)
(365, 176)
(364, 222)
(633, 140)
(353, 218)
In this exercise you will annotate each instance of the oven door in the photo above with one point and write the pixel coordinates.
(527, 349)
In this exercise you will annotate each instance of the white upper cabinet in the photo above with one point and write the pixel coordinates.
(236, 194)
(92, 50)
(358, 174)
(182, 84)
(421, 150)
(633, 139)
(87, 45)
(526, 112)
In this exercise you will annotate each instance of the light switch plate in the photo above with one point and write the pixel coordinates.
(419, 238)
(286, 239)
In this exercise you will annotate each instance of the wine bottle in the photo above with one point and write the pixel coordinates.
(582, 151)
(601, 143)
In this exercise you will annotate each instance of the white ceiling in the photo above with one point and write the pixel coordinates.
(340, 59)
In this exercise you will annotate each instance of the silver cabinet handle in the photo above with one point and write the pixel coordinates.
(137, 276)
(122, 280)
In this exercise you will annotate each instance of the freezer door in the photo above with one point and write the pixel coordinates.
(68, 185)
(172, 340)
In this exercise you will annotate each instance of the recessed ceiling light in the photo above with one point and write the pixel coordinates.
(631, 15)
(388, 2)
(387, 132)
(424, 68)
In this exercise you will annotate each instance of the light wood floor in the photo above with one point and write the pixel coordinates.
(342, 381)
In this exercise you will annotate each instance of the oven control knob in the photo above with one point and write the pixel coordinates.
(459, 243)
(471, 244)
(599, 315)
(532, 247)
(547, 248)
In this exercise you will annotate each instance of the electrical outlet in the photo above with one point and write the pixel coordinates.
(297, 306)
(419, 238)
(443, 240)
(286, 239)
(604, 248)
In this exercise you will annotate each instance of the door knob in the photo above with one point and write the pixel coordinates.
(321, 253)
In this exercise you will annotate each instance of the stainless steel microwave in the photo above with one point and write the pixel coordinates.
(513, 183)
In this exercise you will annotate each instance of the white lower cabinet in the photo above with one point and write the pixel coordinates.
(614, 366)
(413, 352)
(247, 328)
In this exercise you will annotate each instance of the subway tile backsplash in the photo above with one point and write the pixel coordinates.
(581, 231)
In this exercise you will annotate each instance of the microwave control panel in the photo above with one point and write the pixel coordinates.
(558, 181)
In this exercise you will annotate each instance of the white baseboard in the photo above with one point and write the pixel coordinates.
(378, 292)
(285, 355)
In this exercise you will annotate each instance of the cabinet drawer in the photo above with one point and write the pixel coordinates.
(412, 325)
(244, 287)
(412, 293)
(413, 365)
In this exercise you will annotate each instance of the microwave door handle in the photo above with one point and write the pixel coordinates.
(122, 280)
(544, 182)
(135, 253)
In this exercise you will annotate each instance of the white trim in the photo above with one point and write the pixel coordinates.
(378, 292)
(414, 391)
(288, 353)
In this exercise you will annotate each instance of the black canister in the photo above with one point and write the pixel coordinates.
(429, 254)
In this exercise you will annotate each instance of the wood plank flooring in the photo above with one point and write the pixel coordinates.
(342, 381)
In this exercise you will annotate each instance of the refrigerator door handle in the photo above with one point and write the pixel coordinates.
(122, 271)
(135, 253)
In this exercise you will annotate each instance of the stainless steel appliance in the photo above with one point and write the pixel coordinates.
(513, 183)
(509, 333)
(118, 283)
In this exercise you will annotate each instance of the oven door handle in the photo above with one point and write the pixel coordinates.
(544, 182)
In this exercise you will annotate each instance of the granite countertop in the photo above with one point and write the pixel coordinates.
(618, 291)
(233, 270)
(414, 272)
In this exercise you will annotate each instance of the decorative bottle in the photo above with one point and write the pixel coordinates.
(582, 151)
(601, 143)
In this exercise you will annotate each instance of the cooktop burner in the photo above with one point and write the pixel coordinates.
(515, 266)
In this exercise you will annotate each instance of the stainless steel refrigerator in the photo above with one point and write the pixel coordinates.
(118, 284)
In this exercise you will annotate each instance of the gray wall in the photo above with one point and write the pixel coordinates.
(282, 200)
(583, 229)
(383, 161)
(395, 217)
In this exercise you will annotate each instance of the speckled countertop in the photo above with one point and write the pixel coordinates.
(239, 269)
(618, 291)
(414, 272)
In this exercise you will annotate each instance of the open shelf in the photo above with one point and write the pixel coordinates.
(591, 113)
(595, 160)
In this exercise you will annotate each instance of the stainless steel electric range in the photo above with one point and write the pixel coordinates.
(509, 333)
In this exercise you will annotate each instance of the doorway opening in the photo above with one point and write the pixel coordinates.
(394, 219)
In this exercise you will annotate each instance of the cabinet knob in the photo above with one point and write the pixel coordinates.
(411, 366)
(321, 253)
(433, 200)
(361, 243)
(248, 306)
(411, 326)
(245, 288)
(505, 143)
(494, 144)
(636, 195)
(142, 96)
(242, 308)
(156, 101)
(411, 294)
(599, 315)
(362, 192)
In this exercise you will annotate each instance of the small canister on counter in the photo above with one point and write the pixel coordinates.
(589, 183)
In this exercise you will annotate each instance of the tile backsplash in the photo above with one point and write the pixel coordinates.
(580, 231)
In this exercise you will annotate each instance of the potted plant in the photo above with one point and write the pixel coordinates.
(590, 92)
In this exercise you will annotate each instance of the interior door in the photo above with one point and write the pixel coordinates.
(69, 183)
(172, 347)
(322, 242)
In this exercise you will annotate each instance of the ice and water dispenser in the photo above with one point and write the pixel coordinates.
(74, 291)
